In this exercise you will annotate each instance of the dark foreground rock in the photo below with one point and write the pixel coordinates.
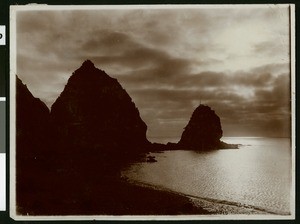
(34, 145)
(33, 128)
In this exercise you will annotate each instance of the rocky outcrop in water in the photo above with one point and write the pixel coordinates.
(94, 111)
(203, 132)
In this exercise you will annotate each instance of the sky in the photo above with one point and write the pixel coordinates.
(234, 59)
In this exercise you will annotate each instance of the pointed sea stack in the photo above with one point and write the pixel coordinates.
(95, 112)
(203, 131)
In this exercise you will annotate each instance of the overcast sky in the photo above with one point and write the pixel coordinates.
(235, 60)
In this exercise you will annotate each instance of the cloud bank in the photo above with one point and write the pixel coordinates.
(234, 59)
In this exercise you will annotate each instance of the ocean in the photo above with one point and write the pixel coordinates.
(255, 177)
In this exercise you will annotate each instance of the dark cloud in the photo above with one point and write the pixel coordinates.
(269, 103)
(106, 41)
(185, 95)
(273, 68)
(158, 62)
(269, 110)
(181, 77)
(252, 79)
(279, 92)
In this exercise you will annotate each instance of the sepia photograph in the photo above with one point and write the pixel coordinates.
(152, 112)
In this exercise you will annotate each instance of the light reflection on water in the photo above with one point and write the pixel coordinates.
(257, 174)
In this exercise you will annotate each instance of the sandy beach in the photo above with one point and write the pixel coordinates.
(206, 206)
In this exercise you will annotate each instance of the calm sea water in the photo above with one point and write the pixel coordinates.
(258, 174)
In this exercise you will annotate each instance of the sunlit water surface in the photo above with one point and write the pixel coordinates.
(258, 174)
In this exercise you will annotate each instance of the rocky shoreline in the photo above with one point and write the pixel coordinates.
(205, 206)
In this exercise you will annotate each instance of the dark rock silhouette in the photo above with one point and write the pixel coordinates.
(151, 159)
(203, 132)
(34, 145)
(32, 120)
(94, 111)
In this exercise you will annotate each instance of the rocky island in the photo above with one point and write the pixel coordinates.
(203, 132)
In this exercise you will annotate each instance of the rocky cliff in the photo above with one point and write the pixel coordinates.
(32, 122)
(95, 112)
(74, 153)
(34, 148)
(203, 132)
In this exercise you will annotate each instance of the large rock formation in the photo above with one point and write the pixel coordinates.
(75, 152)
(95, 112)
(203, 132)
(34, 149)
(32, 123)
